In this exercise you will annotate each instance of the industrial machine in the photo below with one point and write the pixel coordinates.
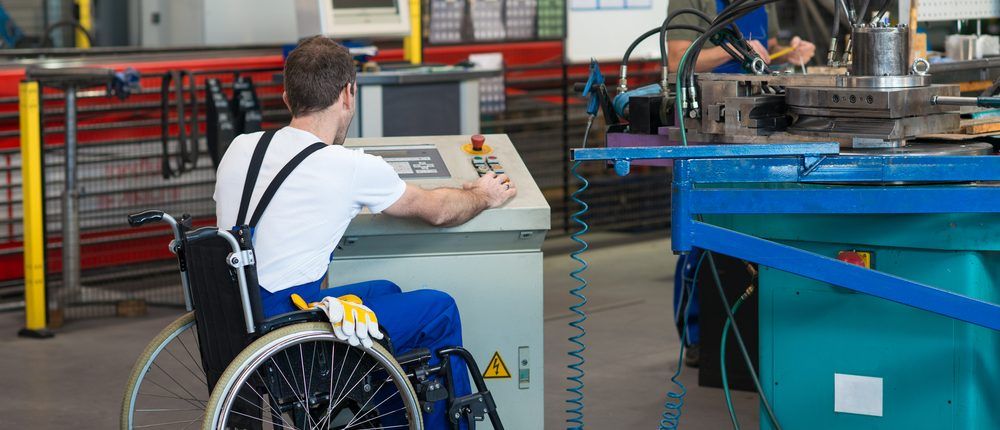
(492, 265)
(882, 103)
(878, 244)
(171, 23)
(353, 18)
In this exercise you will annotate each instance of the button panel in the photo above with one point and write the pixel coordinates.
(484, 165)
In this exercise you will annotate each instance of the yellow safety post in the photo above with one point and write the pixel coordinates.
(413, 44)
(86, 21)
(32, 196)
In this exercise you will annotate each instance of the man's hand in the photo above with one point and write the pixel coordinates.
(494, 189)
(761, 51)
(804, 52)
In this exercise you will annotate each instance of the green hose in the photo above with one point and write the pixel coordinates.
(722, 363)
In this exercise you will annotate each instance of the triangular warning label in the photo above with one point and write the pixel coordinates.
(496, 369)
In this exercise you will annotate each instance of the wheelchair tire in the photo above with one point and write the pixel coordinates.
(147, 360)
(249, 362)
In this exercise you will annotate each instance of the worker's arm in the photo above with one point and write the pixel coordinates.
(798, 53)
(709, 59)
(452, 206)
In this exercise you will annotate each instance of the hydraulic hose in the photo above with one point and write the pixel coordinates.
(834, 37)
(881, 11)
(623, 70)
(686, 68)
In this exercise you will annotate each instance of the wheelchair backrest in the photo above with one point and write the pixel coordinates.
(216, 298)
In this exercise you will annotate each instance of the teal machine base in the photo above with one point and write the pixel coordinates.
(835, 359)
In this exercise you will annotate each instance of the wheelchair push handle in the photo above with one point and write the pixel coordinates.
(145, 217)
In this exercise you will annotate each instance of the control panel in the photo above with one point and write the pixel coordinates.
(451, 161)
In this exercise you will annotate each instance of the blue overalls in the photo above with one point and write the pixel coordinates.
(754, 27)
(415, 319)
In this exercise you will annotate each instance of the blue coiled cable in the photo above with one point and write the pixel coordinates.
(675, 399)
(575, 421)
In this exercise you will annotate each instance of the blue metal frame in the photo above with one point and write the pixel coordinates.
(948, 184)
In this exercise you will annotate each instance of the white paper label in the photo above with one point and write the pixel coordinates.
(853, 394)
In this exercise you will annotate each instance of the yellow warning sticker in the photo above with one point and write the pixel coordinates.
(496, 369)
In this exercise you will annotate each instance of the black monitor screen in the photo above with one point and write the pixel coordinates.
(363, 4)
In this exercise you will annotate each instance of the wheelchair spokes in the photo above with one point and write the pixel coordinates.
(306, 379)
(168, 389)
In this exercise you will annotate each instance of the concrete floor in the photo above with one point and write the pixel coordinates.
(75, 380)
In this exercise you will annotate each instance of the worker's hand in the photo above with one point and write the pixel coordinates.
(761, 51)
(803, 51)
(352, 321)
(494, 189)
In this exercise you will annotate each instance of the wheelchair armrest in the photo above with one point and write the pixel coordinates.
(419, 355)
(294, 317)
(201, 234)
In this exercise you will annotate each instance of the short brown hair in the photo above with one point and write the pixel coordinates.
(316, 72)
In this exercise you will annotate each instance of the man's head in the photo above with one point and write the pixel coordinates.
(320, 82)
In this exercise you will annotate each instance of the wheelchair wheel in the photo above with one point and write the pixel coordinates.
(167, 387)
(302, 377)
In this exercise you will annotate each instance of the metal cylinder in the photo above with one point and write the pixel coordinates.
(880, 51)
(70, 209)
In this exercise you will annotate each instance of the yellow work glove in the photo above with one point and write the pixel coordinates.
(352, 321)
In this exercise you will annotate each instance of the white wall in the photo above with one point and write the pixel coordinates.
(606, 32)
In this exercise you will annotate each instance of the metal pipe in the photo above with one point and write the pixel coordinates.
(70, 200)
(986, 102)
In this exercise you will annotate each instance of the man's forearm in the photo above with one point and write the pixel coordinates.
(455, 206)
(709, 59)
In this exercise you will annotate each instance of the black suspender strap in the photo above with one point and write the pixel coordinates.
(279, 178)
(255, 162)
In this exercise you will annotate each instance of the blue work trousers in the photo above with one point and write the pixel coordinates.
(414, 319)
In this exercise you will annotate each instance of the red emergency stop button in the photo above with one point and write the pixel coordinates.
(477, 142)
(857, 258)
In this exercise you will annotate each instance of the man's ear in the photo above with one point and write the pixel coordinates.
(284, 98)
(347, 95)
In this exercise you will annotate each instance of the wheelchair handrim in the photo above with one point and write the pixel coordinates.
(267, 351)
(152, 357)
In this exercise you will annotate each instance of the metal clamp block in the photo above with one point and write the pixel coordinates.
(242, 259)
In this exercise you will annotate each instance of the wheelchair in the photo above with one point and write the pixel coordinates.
(222, 366)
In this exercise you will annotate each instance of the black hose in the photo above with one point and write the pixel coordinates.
(646, 35)
(863, 12)
(168, 171)
(666, 22)
(882, 10)
(835, 30)
(847, 11)
(728, 16)
(187, 156)
(195, 138)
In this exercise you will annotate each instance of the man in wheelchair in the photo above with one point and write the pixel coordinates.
(323, 186)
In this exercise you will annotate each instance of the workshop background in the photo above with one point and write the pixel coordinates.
(150, 142)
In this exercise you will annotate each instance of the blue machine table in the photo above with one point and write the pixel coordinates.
(912, 340)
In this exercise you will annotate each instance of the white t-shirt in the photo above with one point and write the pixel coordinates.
(311, 210)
